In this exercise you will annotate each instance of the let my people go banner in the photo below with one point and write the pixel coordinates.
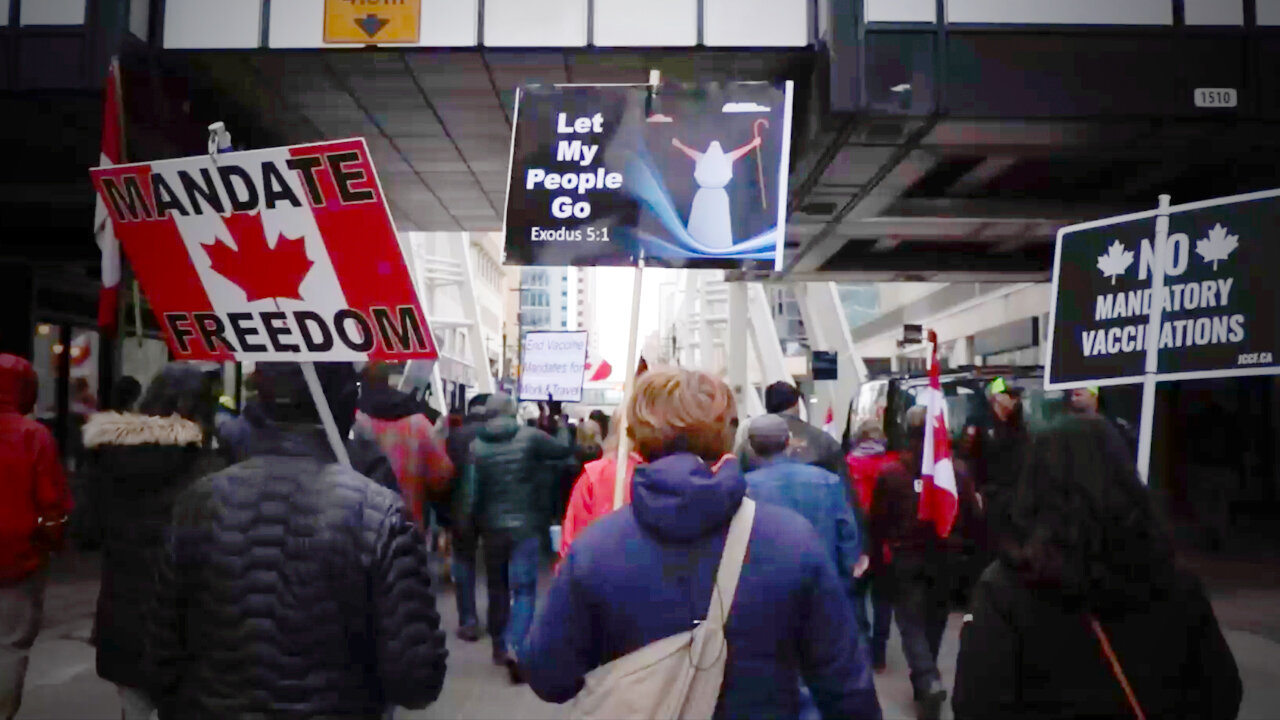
(281, 254)
(690, 176)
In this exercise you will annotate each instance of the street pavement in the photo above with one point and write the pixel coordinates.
(62, 683)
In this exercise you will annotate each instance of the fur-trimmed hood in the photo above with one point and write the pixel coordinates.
(132, 453)
(112, 428)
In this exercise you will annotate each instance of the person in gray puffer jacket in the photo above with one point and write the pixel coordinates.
(506, 491)
(292, 587)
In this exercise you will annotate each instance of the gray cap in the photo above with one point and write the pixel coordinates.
(500, 405)
(769, 434)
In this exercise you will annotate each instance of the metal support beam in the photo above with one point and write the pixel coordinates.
(764, 337)
(471, 311)
(828, 329)
(736, 351)
(827, 242)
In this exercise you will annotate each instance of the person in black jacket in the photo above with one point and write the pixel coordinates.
(293, 587)
(996, 444)
(1089, 565)
(238, 437)
(466, 534)
(137, 466)
(915, 564)
(509, 496)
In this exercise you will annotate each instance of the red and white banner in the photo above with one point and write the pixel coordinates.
(939, 498)
(112, 154)
(281, 254)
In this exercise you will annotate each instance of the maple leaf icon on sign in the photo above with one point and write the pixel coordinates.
(261, 271)
(1115, 262)
(1218, 246)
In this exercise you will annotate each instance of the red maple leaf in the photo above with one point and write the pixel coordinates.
(261, 271)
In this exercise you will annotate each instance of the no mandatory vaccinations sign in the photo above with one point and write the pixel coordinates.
(280, 254)
(1220, 303)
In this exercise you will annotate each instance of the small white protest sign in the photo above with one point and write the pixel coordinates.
(553, 366)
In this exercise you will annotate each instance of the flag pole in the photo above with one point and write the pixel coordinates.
(1147, 423)
(326, 414)
(624, 443)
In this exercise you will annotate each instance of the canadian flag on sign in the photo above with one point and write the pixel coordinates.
(112, 153)
(280, 254)
(939, 498)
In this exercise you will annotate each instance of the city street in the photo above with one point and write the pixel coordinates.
(63, 685)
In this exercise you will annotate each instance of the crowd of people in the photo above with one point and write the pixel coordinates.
(747, 569)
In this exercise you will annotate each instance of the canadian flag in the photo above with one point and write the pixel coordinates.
(283, 253)
(829, 424)
(103, 228)
(939, 498)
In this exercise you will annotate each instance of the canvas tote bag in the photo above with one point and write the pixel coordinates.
(678, 676)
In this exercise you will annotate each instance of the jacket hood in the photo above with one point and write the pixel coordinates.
(383, 402)
(142, 451)
(112, 428)
(499, 429)
(681, 498)
(18, 385)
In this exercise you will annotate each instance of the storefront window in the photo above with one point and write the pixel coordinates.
(47, 342)
(82, 347)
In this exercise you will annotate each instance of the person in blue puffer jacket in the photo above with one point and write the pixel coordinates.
(645, 572)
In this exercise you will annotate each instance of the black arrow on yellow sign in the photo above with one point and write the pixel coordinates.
(371, 24)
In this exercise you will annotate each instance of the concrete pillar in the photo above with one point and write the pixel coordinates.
(963, 354)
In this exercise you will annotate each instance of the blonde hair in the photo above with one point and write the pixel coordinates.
(588, 433)
(675, 410)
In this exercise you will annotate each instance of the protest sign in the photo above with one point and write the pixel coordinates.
(1220, 302)
(690, 177)
(553, 365)
(286, 253)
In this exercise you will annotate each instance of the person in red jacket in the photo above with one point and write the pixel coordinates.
(867, 457)
(592, 496)
(34, 504)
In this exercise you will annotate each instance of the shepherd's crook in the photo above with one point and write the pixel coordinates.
(755, 128)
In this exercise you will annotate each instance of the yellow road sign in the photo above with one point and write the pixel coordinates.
(370, 22)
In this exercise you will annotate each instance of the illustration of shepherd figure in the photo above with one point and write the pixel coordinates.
(710, 222)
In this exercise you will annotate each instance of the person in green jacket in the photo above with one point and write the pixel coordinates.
(507, 495)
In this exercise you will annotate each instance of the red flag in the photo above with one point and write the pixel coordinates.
(939, 498)
(104, 231)
(602, 372)
(829, 424)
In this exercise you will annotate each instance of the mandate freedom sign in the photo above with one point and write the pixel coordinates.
(1220, 302)
(280, 254)
(553, 364)
(690, 176)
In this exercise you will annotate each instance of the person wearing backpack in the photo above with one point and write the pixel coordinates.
(1085, 614)
(694, 601)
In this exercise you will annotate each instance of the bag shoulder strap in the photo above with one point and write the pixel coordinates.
(1116, 668)
(735, 552)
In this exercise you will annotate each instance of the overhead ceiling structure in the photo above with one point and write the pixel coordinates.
(933, 200)
(438, 123)
(955, 146)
